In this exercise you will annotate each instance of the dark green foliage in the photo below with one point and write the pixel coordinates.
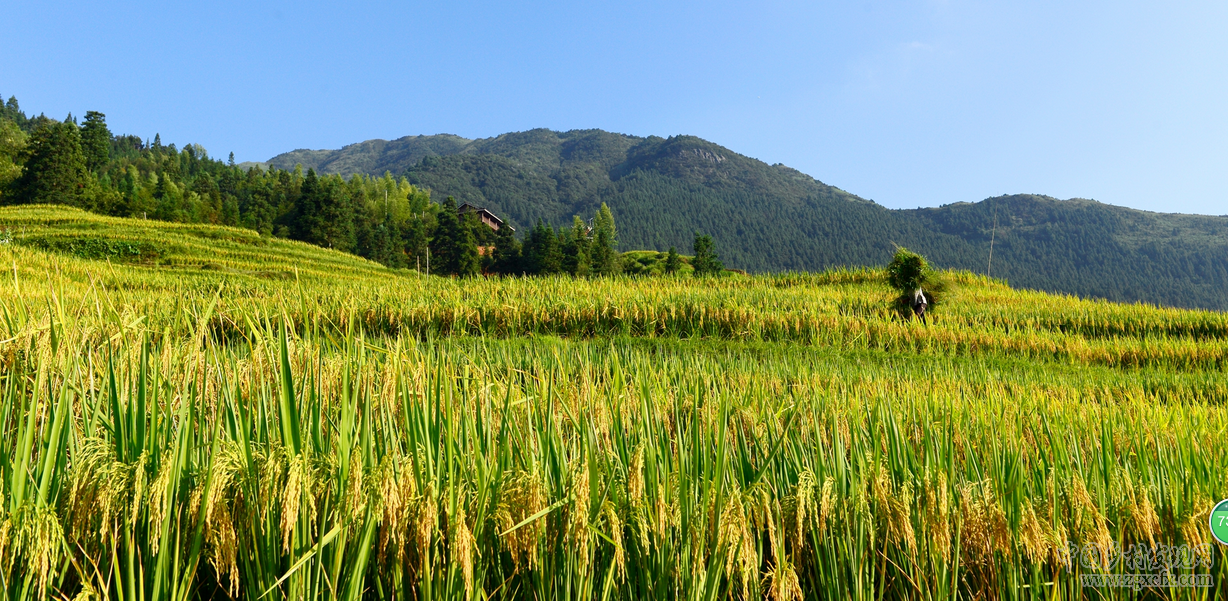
(128, 251)
(672, 262)
(576, 248)
(336, 216)
(96, 141)
(705, 262)
(156, 181)
(453, 249)
(54, 171)
(505, 258)
(542, 255)
(907, 271)
(12, 143)
(604, 249)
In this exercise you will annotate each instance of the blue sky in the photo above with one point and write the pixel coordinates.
(909, 103)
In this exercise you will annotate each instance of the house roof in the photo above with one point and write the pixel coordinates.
(468, 208)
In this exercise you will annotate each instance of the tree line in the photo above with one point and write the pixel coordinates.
(385, 219)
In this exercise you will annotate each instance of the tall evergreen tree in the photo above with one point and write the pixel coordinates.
(415, 241)
(672, 261)
(334, 225)
(55, 171)
(307, 208)
(12, 143)
(453, 249)
(605, 260)
(505, 258)
(542, 254)
(96, 141)
(169, 206)
(705, 262)
(576, 249)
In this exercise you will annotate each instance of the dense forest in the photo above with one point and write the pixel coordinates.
(384, 219)
(774, 218)
(384, 200)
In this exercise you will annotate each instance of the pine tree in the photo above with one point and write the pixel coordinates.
(169, 200)
(576, 249)
(540, 250)
(605, 259)
(506, 255)
(306, 209)
(705, 262)
(96, 141)
(12, 142)
(453, 249)
(415, 242)
(335, 221)
(55, 171)
(672, 261)
(552, 252)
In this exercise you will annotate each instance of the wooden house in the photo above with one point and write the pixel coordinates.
(483, 215)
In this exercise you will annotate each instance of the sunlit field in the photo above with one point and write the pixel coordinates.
(194, 412)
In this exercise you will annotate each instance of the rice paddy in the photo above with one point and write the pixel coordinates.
(190, 412)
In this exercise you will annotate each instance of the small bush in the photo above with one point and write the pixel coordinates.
(126, 251)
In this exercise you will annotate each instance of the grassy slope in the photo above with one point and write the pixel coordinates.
(188, 250)
(846, 309)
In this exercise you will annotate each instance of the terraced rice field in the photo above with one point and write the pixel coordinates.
(197, 412)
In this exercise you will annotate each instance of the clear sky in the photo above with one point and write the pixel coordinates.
(909, 103)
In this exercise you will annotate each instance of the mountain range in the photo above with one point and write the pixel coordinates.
(774, 218)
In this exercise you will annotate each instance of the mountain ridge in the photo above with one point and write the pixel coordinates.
(776, 218)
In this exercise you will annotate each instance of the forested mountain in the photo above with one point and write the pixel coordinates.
(1089, 248)
(771, 217)
(661, 192)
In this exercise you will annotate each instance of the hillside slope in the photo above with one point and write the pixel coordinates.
(774, 218)
(181, 250)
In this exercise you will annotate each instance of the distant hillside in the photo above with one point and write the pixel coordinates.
(773, 218)
(1089, 248)
(188, 249)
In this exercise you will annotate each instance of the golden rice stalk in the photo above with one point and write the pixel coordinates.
(938, 516)
(577, 524)
(1143, 519)
(396, 491)
(635, 477)
(738, 543)
(1194, 530)
(100, 489)
(1092, 525)
(38, 539)
(217, 512)
(616, 532)
(296, 495)
(803, 509)
(522, 497)
(780, 581)
(1032, 535)
(426, 522)
(984, 530)
(827, 504)
(463, 547)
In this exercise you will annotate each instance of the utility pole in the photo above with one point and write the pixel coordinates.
(992, 234)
